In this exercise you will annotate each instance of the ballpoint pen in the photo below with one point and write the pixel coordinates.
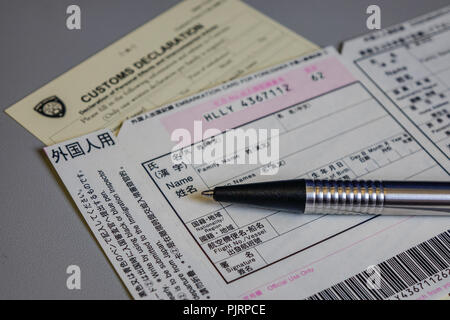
(341, 196)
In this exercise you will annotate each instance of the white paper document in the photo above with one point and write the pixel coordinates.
(410, 63)
(143, 203)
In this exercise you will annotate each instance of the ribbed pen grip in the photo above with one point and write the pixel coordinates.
(344, 196)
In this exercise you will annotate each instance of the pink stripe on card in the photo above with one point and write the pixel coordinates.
(301, 85)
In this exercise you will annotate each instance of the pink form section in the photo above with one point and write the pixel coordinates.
(302, 88)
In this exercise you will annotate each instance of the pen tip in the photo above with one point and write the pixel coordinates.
(208, 193)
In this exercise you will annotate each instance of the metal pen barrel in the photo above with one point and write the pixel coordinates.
(377, 197)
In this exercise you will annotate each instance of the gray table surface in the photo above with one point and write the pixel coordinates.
(41, 232)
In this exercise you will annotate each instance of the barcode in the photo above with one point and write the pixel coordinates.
(397, 273)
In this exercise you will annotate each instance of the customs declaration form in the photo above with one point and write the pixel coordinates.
(195, 45)
(166, 242)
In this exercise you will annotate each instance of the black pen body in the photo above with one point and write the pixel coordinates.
(286, 195)
(343, 196)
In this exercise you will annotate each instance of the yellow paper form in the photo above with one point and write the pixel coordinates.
(193, 46)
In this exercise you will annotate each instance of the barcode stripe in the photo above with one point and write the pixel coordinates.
(395, 282)
(397, 273)
(400, 269)
(350, 285)
(361, 291)
(347, 293)
(440, 248)
(421, 261)
(336, 290)
(321, 296)
(433, 257)
(332, 295)
(325, 296)
(408, 263)
(445, 239)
